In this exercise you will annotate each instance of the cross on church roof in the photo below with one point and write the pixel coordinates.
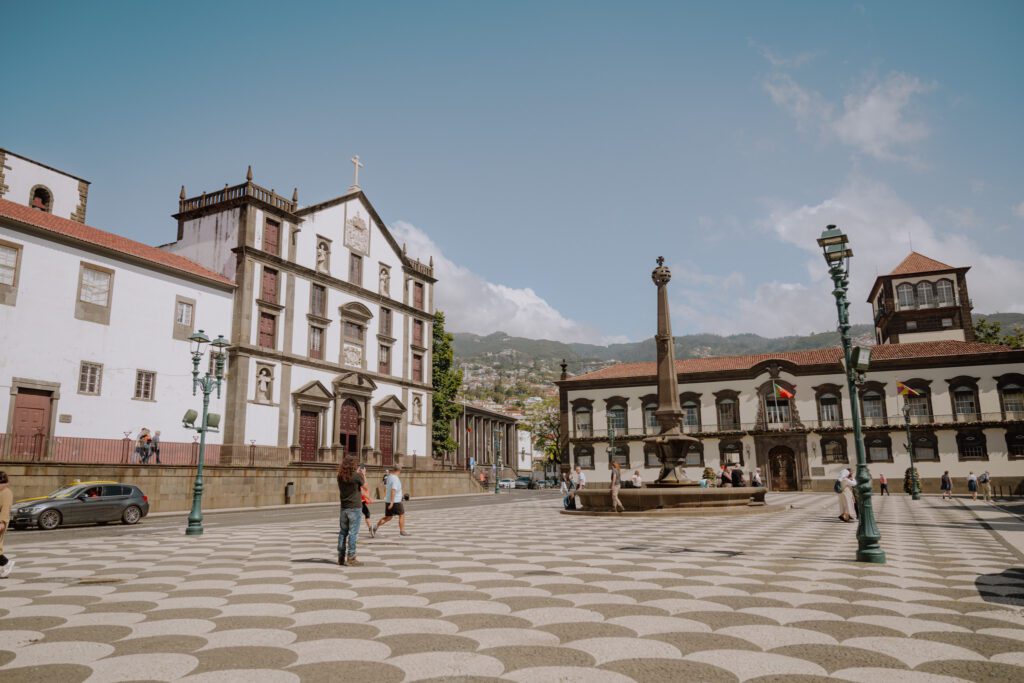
(661, 260)
(358, 165)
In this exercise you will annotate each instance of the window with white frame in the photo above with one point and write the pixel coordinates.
(728, 414)
(8, 265)
(965, 404)
(874, 406)
(584, 422)
(1013, 402)
(183, 314)
(905, 295)
(90, 378)
(925, 295)
(944, 293)
(145, 385)
(617, 419)
(95, 287)
(650, 419)
(828, 404)
(691, 416)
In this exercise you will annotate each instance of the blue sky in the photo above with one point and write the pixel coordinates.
(546, 153)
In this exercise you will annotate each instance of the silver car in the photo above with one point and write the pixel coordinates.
(83, 503)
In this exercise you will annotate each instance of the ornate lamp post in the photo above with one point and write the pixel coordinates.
(833, 243)
(611, 442)
(207, 383)
(497, 460)
(915, 482)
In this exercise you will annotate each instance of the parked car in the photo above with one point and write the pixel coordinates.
(89, 502)
(524, 483)
(506, 483)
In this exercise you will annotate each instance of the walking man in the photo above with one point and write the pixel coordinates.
(350, 483)
(615, 486)
(972, 485)
(6, 500)
(394, 505)
(986, 484)
(156, 445)
(883, 485)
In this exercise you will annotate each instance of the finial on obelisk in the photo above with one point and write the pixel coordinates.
(248, 174)
(357, 165)
(182, 194)
(565, 370)
(661, 260)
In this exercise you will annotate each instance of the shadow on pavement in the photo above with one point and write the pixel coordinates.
(1004, 588)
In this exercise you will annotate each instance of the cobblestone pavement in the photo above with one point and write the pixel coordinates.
(522, 593)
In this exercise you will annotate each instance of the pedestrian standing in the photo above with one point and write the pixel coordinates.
(394, 505)
(365, 499)
(842, 489)
(986, 484)
(581, 483)
(972, 485)
(946, 486)
(615, 486)
(156, 445)
(350, 483)
(6, 500)
(569, 489)
(755, 479)
(737, 476)
(883, 485)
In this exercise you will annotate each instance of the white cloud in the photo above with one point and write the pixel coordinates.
(779, 60)
(1018, 210)
(880, 226)
(472, 304)
(874, 118)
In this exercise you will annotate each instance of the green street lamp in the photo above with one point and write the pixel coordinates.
(834, 245)
(915, 481)
(210, 422)
(497, 461)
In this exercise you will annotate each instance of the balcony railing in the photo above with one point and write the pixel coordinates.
(248, 189)
(890, 422)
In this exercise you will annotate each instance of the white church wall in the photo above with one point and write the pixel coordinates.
(21, 175)
(43, 340)
(208, 240)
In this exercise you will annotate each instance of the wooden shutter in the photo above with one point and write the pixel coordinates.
(387, 443)
(417, 332)
(268, 329)
(268, 289)
(272, 237)
(417, 295)
(417, 367)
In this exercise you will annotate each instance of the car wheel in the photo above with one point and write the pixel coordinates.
(49, 520)
(132, 514)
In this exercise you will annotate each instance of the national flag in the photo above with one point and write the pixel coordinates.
(780, 392)
(469, 429)
(904, 390)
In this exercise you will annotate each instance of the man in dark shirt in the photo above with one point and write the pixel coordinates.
(349, 483)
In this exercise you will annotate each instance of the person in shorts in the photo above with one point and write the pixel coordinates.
(6, 500)
(394, 502)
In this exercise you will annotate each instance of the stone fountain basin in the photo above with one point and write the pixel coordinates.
(598, 498)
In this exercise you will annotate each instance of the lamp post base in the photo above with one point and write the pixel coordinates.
(871, 555)
(196, 530)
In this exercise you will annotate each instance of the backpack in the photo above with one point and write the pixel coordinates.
(838, 487)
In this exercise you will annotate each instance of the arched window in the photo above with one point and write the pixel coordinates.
(965, 404)
(650, 420)
(921, 404)
(728, 410)
(1011, 395)
(584, 422)
(879, 447)
(730, 452)
(926, 447)
(584, 456)
(41, 199)
(690, 403)
(944, 293)
(905, 295)
(1015, 443)
(925, 294)
(619, 454)
(617, 419)
(874, 407)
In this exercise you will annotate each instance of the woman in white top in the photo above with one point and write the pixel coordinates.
(846, 484)
(638, 481)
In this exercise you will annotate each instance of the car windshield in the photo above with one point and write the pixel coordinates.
(65, 492)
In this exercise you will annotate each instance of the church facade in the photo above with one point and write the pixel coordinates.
(332, 323)
(789, 413)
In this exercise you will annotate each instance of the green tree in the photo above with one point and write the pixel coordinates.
(544, 423)
(992, 333)
(447, 380)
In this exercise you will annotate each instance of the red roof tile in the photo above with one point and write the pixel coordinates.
(829, 356)
(108, 240)
(918, 263)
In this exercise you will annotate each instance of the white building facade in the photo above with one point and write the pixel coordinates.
(94, 327)
(789, 413)
(331, 333)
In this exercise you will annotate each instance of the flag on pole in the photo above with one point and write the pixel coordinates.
(904, 390)
(779, 392)
(469, 429)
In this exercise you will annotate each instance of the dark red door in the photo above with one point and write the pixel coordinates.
(272, 237)
(31, 421)
(309, 430)
(387, 443)
(349, 427)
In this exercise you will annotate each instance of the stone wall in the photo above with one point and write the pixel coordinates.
(169, 488)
